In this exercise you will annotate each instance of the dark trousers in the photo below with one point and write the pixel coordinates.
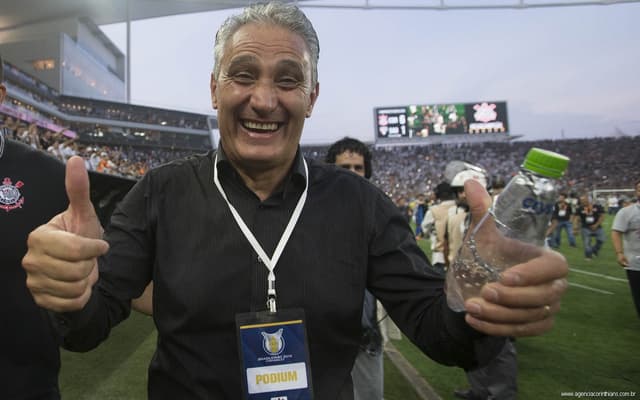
(497, 380)
(634, 284)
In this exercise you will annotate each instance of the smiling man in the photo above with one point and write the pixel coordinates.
(260, 259)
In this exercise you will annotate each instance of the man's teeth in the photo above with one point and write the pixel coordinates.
(260, 126)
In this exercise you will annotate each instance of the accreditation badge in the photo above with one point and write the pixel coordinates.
(275, 356)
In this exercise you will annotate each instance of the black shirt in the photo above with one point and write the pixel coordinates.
(31, 193)
(589, 214)
(562, 211)
(175, 228)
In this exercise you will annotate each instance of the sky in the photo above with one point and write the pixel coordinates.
(565, 72)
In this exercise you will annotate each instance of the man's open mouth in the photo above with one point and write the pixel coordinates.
(260, 127)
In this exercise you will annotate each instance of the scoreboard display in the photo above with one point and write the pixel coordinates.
(423, 121)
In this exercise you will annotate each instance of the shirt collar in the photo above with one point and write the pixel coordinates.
(293, 182)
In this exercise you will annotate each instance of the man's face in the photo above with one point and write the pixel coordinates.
(3, 91)
(352, 161)
(263, 95)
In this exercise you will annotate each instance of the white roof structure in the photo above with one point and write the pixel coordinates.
(19, 13)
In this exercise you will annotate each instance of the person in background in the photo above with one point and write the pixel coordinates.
(435, 222)
(368, 369)
(625, 236)
(591, 217)
(205, 229)
(561, 220)
(32, 191)
(497, 186)
(613, 204)
(351, 154)
(404, 208)
(419, 213)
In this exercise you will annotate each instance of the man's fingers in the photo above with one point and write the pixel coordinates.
(60, 270)
(68, 246)
(59, 304)
(498, 314)
(550, 265)
(533, 328)
(43, 285)
(528, 296)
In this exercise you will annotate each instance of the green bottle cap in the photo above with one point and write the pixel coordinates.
(545, 163)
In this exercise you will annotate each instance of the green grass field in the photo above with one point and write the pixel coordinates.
(594, 347)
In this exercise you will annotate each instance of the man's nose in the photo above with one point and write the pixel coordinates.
(264, 97)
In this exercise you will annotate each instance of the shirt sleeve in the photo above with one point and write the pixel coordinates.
(620, 221)
(401, 277)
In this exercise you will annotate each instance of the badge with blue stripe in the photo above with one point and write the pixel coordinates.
(275, 356)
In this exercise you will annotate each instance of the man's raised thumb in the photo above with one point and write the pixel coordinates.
(81, 216)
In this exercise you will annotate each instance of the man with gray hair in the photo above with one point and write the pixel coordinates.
(259, 257)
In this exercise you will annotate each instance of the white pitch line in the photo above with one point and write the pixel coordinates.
(613, 278)
(589, 288)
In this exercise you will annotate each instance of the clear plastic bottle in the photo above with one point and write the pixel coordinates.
(522, 211)
(524, 208)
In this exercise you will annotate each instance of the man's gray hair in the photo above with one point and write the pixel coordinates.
(287, 16)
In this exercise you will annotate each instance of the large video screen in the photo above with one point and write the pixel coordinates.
(423, 121)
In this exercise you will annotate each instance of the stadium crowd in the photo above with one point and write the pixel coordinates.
(400, 171)
(409, 171)
(406, 171)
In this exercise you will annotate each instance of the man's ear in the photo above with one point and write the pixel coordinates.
(313, 97)
(214, 98)
(3, 91)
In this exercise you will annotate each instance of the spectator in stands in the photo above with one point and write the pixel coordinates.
(31, 193)
(561, 220)
(625, 236)
(209, 268)
(10, 126)
(591, 218)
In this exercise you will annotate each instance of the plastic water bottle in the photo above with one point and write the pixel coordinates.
(522, 211)
(524, 208)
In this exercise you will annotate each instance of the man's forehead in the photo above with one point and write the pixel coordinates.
(350, 154)
(268, 38)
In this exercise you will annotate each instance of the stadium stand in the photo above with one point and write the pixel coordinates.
(126, 140)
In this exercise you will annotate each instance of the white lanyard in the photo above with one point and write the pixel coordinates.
(270, 263)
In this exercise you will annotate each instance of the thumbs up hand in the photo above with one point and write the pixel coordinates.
(61, 260)
(527, 295)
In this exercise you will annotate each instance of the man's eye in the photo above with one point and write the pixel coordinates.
(243, 77)
(288, 83)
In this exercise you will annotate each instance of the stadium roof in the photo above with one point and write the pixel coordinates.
(21, 13)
